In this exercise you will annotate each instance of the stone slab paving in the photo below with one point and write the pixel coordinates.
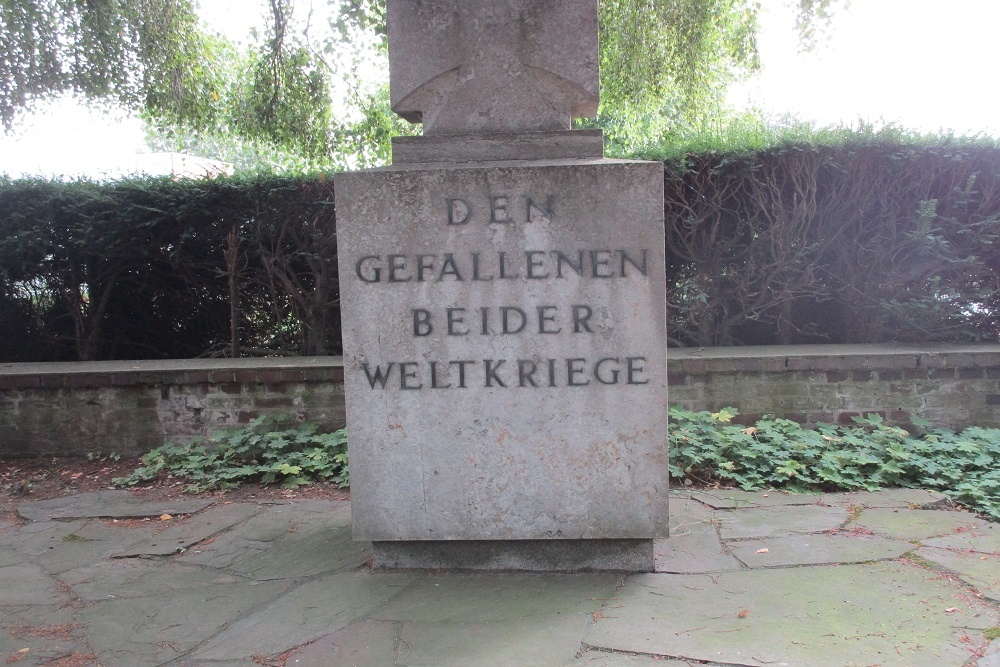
(111, 504)
(764, 521)
(744, 579)
(821, 549)
(887, 614)
(918, 525)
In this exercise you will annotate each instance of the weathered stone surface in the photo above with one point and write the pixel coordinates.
(287, 541)
(539, 641)
(890, 498)
(26, 583)
(984, 539)
(982, 571)
(917, 525)
(776, 521)
(304, 614)
(439, 598)
(816, 550)
(526, 555)
(992, 656)
(179, 537)
(886, 613)
(360, 644)
(106, 504)
(153, 629)
(184, 612)
(499, 147)
(737, 499)
(596, 658)
(529, 448)
(461, 66)
(693, 545)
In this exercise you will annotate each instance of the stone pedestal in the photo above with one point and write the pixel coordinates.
(505, 362)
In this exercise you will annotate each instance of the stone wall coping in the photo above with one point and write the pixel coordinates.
(832, 357)
(831, 350)
(231, 372)
(168, 365)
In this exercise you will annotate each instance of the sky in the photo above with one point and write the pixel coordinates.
(922, 64)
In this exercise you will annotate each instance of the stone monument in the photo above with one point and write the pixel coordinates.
(503, 299)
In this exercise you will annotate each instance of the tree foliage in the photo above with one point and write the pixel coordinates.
(138, 52)
(665, 65)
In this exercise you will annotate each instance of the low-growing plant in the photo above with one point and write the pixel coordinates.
(269, 450)
(708, 448)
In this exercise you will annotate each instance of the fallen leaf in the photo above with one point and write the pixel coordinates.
(752, 430)
(950, 610)
(743, 613)
(24, 650)
(165, 517)
(763, 551)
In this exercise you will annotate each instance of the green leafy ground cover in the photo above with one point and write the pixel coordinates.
(706, 448)
(268, 451)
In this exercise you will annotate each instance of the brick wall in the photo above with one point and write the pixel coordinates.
(131, 407)
(950, 385)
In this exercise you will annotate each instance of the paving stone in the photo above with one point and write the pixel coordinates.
(693, 550)
(736, 499)
(917, 525)
(982, 571)
(10, 557)
(538, 641)
(91, 542)
(305, 614)
(438, 598)
(889, 614)
(39, 644)
(151, 629)
(816, 550)
(984, 539)
(693, 545)
(27, 583)
(777, 521)
(992, 656)
(47, 631)
(608, 659)
(360, 644)
(890, 498)
(107, 504)
(184, 534)
(289, 544)
(35, 539)
(685, 511)
(134, 577)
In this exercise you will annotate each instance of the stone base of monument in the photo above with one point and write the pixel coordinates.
(530, 555)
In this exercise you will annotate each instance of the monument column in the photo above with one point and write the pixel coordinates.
(503, 300)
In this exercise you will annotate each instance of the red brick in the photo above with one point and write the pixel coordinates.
(246, 377)
(676, 380)
(220, 377)
(273, 402)
(19, 381)
(269, 376)
(970, 373)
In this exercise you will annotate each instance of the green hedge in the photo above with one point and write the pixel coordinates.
(141, 268)
(859, 242)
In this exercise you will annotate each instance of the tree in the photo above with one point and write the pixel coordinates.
(138, 52)
(665, 65)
